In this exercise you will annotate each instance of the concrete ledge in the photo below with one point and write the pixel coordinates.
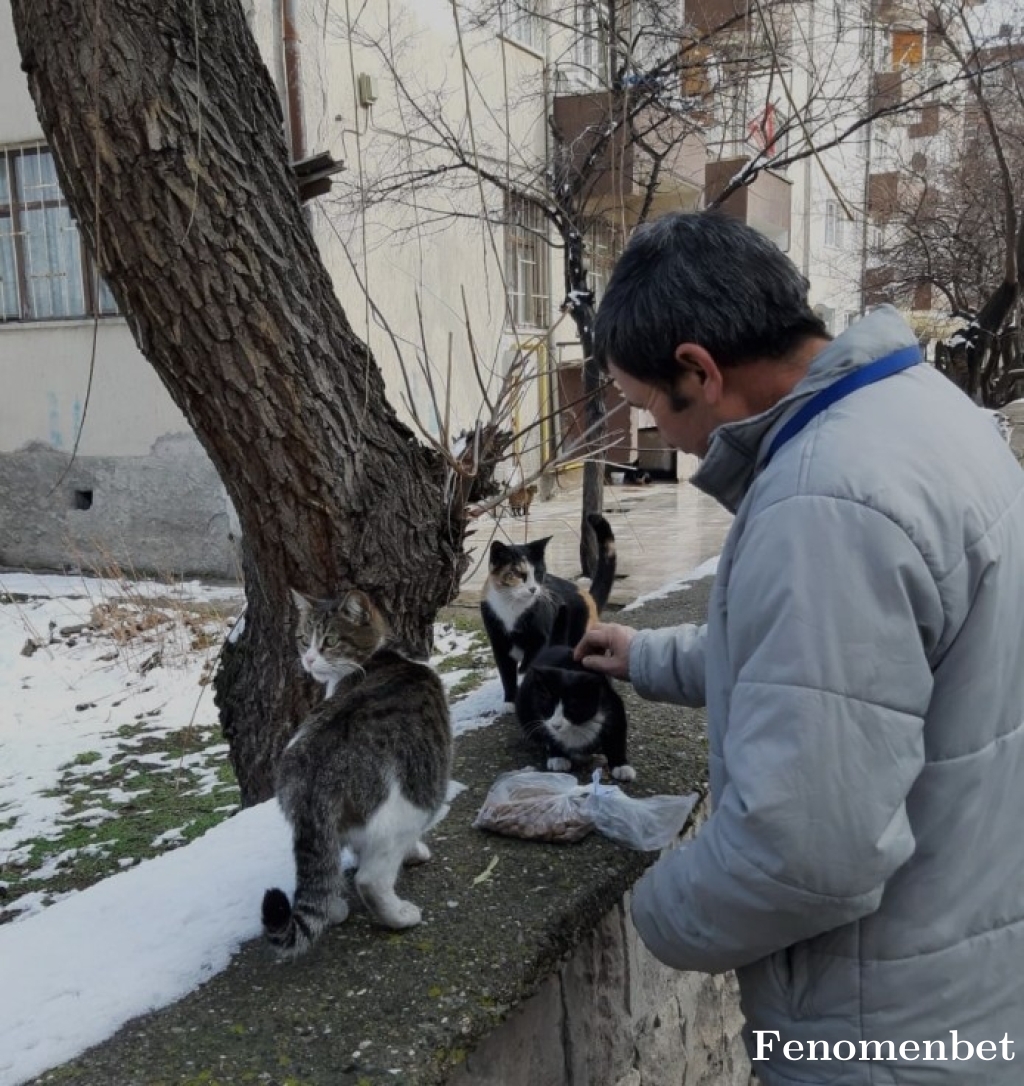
(531, 975)
(614, 1015)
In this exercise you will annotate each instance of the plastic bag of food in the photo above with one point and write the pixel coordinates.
(536, 805)
(647, 824)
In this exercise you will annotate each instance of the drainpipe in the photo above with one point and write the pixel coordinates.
(806, 262)
(546, 358)
(293, 78)
(870, 137)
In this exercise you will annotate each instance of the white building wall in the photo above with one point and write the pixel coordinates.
(141, 493)
(135, 447)
(830, 194)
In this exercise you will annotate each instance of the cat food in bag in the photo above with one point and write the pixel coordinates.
(537, 806)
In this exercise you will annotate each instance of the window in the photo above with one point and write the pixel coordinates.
(589, 52)
(45, 273)
(763, 128)
(521, 22)
(604, 243)
(835, 225)
(526, 264)
(907, 49)
(694, 69)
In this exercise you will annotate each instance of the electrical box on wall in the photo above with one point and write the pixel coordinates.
(366, 89)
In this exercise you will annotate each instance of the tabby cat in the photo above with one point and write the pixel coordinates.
(573, 713)
(368, 768)
(522, 601)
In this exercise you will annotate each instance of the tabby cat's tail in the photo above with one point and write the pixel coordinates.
(292, 928)
(291, 932)
(604, 574)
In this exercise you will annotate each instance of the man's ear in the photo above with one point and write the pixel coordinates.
(699, 372)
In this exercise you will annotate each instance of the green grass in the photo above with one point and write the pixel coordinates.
(476, 659)
(160, 798)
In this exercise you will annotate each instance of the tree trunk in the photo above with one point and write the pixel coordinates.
(175, 165)
(580, 303)
(593, 470)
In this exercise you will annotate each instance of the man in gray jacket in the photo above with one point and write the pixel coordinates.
(862, 666)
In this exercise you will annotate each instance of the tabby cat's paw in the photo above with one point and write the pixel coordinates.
(624, 773)
(559, 765)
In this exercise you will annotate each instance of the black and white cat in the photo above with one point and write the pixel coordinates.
(368, 768)
(573, 713)
(522, 601)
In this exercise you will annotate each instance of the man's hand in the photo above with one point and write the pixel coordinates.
(605, 648)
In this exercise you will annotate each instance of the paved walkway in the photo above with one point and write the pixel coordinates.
(662, 531)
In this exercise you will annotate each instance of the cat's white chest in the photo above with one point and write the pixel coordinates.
(509, 607)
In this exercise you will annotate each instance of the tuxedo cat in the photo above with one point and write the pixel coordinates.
(368, 768)
(573, 713)
(522, 601)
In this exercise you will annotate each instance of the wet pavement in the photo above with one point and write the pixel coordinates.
(662, 531)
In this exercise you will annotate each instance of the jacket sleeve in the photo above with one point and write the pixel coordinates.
(832, 614)
(668, 665)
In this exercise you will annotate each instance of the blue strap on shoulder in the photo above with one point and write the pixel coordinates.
(867, 375)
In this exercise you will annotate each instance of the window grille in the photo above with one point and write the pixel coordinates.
(45, 273)
(527, 256)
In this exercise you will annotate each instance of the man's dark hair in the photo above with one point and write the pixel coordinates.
(701, 278)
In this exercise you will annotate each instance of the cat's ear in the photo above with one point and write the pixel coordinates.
(302, 603)
(545, 677)
(499, 554)
(535, 548)
(357, 607)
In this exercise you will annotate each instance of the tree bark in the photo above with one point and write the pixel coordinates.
(169, 142)
(580, 303)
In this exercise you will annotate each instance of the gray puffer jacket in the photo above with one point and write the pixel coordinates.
(863, 670)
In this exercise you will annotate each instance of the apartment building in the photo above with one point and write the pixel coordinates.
(474, 145)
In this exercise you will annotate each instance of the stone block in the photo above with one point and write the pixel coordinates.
(525, 1050)
(595, 992)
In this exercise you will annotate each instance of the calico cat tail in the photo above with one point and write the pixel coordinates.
(604, 574)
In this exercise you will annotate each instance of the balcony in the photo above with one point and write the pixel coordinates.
(884, 192)
(615, 171)
(886, 90)
(764, 204)
(707, 17)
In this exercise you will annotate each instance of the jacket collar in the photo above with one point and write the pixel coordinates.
(736, 448)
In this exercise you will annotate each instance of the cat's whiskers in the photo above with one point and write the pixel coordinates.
(533, 727)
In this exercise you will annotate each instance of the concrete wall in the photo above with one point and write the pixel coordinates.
(164, 513)
(140, 493)
(614, 1016)
(157, 504)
